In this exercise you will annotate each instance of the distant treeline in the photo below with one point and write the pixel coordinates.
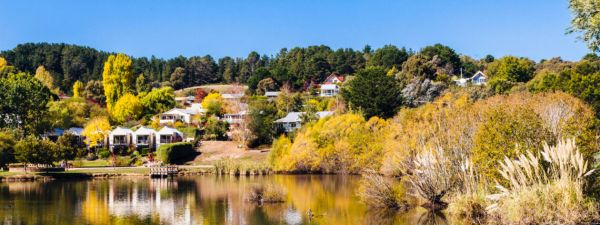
(296, 67)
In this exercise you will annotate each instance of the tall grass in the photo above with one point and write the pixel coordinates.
(546, 189)
(241, 168)
(377, 192)
(432, 177)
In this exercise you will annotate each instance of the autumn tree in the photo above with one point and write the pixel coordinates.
(213, 104)
(373, 92)
(77, 89)
(127, 108)
(96, 131)
(46, 78)
(117, 78)
(140, 84)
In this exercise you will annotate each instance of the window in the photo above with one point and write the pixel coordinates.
(119, 140)
(165, 139)
(142, 139)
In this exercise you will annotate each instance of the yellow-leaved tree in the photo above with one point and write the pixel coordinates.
(46, 78)
(3, 62)
(96, 130)
(213, 103)
(77, 88)
(127, 108)
(117, 78)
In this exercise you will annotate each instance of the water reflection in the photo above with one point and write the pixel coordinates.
(194, 200)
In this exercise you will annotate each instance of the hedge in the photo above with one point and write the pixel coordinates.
(175, 152)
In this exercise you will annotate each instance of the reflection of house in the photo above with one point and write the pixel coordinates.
(168, 135)
(478, 79)
(330, 86)
(177, 114)
(144, 137)
(120, 137)
(293, 120)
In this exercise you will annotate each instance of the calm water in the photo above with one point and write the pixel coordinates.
(193, 200)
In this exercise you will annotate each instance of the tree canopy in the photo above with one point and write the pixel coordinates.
(373, 92)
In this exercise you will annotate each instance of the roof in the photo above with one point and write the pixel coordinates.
(334, 75)
(179, 110)
(479, 73)
(272, 93)
(144, 131)
(75, 131)
(232, 96)
(169, 130)
(329, 87)
(121, 131)
(295, 116)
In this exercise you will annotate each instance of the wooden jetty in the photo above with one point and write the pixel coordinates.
(163, 171)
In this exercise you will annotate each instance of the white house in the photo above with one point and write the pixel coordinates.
(197, 108)
(120, 137)
(478, 78)
(234, 118)
(144, 137)
(177, 114)
(272, 94)
(293, 121)
(78, 132)
(330, 86)
(168, 135)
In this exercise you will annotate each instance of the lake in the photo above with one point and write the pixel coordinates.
(195, 200)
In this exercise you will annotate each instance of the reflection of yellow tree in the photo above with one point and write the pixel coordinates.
(94, 210)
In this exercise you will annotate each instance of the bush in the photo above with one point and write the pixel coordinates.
(175, 152)
(377, 192)
(103, 153)
(144, 151)
(266, 194)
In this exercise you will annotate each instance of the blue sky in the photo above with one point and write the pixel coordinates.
(532, 28)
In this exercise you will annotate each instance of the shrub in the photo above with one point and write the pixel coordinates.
(103, 153)
(175, 152)
(432, 177)
(144, 151)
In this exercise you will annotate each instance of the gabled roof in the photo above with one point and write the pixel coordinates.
(75, 131)
(478, 74)
(121, 131)
(295, 116)
(334, 75)
(144, 131)
(179, 110)
(169, 130)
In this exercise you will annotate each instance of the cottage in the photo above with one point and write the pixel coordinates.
(478, 79)
(77, 132)
(177, 114)
(168, 135)
(234, 118)
(330, 86)
(120, 137)
(293, 120)
(144, 137)
(185, 100)
(197, 108)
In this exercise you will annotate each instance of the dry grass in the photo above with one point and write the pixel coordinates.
(377, 192)
(548, 192)
(241, 168)
(432, 177)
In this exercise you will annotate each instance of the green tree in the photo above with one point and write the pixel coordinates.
(215, 129)
(509, 70)
(127, 108)
(388, 56)
(24, 103)
(585, 21)
(375, 93)
(443, 57)
(117, 78)
(34, 151)
(178, 78)
(140, 84)
(67, 147)
(158, 100)
(94, 90)
(262, 115)
(417, 66)
(77, 89)
(7, 150)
